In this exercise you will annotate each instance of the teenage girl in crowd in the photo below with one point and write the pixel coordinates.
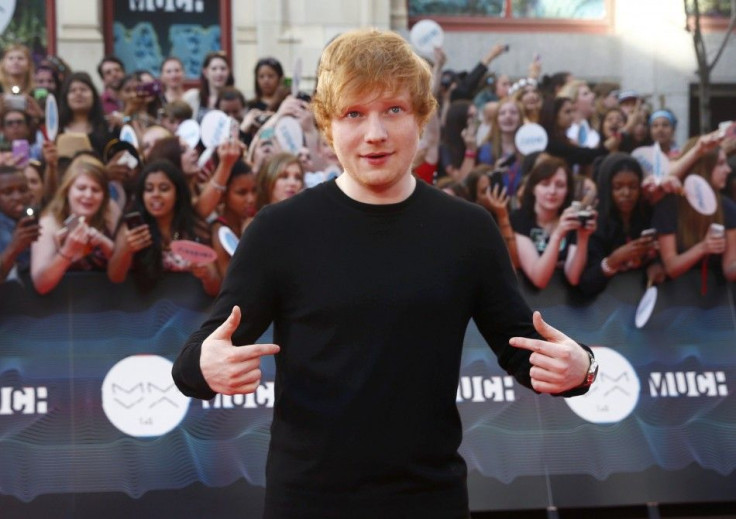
(216, 74)
(238, 209)
(688, 239)
(164, 201)
(549, 232)
(76, 227)
(618, 244)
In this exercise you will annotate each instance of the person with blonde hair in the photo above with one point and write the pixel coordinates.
(16, 69)
(76, 227)
(370, 290)
(280, 178)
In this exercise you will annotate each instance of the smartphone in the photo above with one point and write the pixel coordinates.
(649, 233)
(15, 102)
(505, 163)
(134, 219)
(21, 150)
(717, 230)
(71, 222)
(148, 89)
(30, 212)
(506, 47)
(496, 179)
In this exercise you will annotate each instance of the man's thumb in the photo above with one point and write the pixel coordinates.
(227, 329)
(549, 333)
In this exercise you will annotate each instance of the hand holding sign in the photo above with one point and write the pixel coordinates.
(700, 194)
(230, 369)
(558, 362)
(193, 252)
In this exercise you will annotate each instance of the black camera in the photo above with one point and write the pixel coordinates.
(583, 214)
(304, 96)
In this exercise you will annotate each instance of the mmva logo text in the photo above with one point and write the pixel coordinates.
(615, 393)
(481, 389)
(26, 400)
(688, 384)
(139, 396)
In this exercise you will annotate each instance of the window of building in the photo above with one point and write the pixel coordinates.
(516, 15)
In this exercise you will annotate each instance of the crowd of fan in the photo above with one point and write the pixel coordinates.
(589, 206)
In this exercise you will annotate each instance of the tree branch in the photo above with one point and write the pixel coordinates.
(729, 30)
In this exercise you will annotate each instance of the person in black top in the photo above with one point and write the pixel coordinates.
(624, 239)
(353, 274)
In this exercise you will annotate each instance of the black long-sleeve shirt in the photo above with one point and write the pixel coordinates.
(370, 305)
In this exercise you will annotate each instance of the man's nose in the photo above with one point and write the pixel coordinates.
(376, 130)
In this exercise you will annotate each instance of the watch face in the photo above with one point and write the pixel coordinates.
(592, 370)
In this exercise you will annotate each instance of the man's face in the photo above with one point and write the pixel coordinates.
(375, 139)
(14, 194)
(15, 126)
(112, 75)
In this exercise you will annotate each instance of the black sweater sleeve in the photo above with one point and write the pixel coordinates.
(248, 284)
(573, 154)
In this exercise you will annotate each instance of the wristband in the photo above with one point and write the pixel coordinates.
(217, 186)
(470, 154)
(606, 268)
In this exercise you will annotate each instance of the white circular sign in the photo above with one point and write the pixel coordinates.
(614, 394)
(646, 307)
(52, 117)
(189, 131)
(289, 134)
(530, 137)
(215, 129)
(127, 134)
(425, 35)
(700, 195)
(140, 399)
(6, 14)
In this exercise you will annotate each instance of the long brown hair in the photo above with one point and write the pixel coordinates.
(268, 174)
(691, 225)
(83, 164)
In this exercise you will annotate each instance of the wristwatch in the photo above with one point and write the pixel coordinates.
(592, 371)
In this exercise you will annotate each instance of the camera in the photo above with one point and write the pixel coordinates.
(583, 214)
(304, 96)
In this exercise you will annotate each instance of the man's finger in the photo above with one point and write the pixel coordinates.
(550, 333)
(226, 330)
(253, 351)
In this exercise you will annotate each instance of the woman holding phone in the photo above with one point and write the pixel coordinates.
(164, 202)
(76, 227)
(624, 239)
(686, 237)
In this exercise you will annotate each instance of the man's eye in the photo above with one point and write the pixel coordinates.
(352, 114)
(395, 109)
